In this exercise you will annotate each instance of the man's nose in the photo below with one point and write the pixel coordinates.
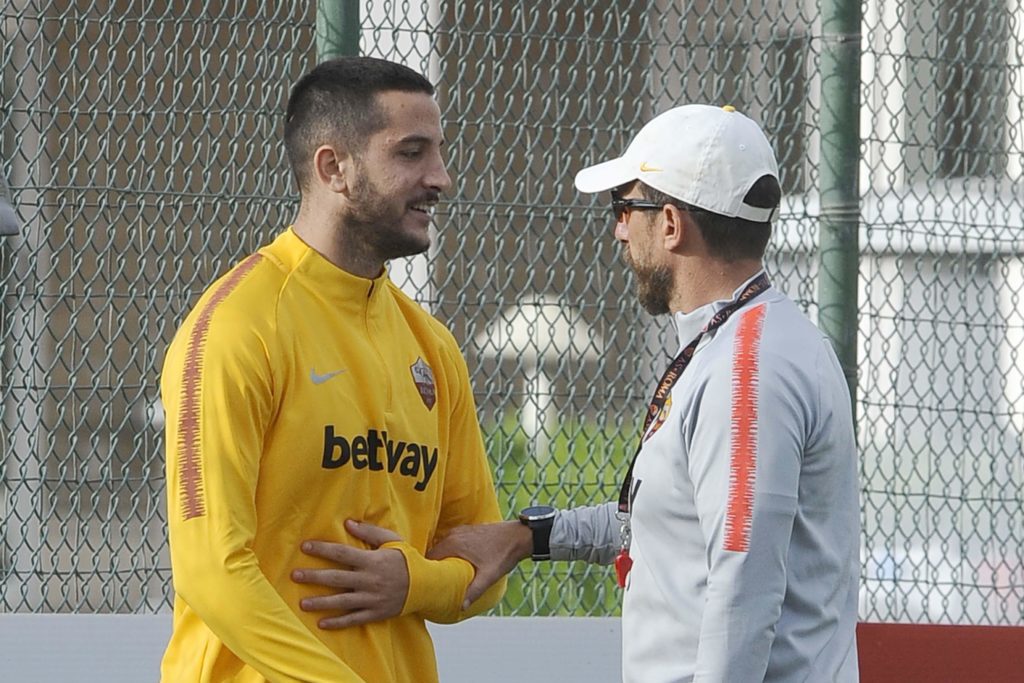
(621, 231)
(439, 177)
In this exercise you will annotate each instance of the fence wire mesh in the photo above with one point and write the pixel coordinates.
(142, 146)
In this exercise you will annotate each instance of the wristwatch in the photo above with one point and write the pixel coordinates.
(540, 519)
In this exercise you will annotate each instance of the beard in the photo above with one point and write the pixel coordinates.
(375, 221)
(653, 285)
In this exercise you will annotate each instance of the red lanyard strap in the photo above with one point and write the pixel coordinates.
(675, 371)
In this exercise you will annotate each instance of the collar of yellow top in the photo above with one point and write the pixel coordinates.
(323, 277)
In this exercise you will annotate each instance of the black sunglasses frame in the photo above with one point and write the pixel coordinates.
(619, 206)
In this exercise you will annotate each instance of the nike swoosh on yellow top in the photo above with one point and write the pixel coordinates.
(320, 379)
(644, 168)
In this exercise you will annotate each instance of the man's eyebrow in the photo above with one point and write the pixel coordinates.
(422, 139)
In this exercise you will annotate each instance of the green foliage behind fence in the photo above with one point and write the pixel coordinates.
(584, 466)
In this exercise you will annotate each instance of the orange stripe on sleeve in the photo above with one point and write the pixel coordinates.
(743, 460)
(189, 437)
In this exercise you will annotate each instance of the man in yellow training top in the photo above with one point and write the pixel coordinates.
(306, 391)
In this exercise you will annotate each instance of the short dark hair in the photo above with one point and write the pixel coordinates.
(730, 239)
(336, 102)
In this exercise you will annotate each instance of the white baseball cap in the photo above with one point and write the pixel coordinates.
(708, 157)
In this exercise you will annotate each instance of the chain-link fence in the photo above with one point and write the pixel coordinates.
(142, 145)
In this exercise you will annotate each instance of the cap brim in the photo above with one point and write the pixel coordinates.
(605, 176)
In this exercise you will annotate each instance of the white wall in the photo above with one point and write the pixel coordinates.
(91, 648)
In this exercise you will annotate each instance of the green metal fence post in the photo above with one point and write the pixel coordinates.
(840, 161)
(337, 29)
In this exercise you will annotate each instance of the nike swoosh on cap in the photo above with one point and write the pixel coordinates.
(644, 168)
(320, 379)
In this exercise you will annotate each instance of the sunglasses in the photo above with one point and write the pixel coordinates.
(620, 205)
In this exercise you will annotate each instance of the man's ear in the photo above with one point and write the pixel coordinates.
(333, 168)
(676, 228)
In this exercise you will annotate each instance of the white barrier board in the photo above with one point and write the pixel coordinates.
(91, 648)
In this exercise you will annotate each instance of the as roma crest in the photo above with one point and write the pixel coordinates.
(660, 420)
(423, 376)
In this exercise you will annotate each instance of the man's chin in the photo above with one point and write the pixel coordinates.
(654, 308)
(654, 301)
(408, 248)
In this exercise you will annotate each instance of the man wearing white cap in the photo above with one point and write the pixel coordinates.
(737, 530)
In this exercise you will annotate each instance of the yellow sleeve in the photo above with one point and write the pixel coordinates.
(438, 587)
(217, 390)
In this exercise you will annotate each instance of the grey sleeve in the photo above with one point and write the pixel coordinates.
(590, 534)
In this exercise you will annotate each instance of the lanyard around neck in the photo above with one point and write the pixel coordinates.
(675, 370)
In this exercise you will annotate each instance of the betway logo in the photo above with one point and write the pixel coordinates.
(365, 453)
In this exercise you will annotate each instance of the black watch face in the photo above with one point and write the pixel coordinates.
(537, 511)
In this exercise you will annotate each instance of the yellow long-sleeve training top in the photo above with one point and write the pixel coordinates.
(298, 396)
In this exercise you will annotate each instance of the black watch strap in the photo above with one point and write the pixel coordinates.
(540, 519)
